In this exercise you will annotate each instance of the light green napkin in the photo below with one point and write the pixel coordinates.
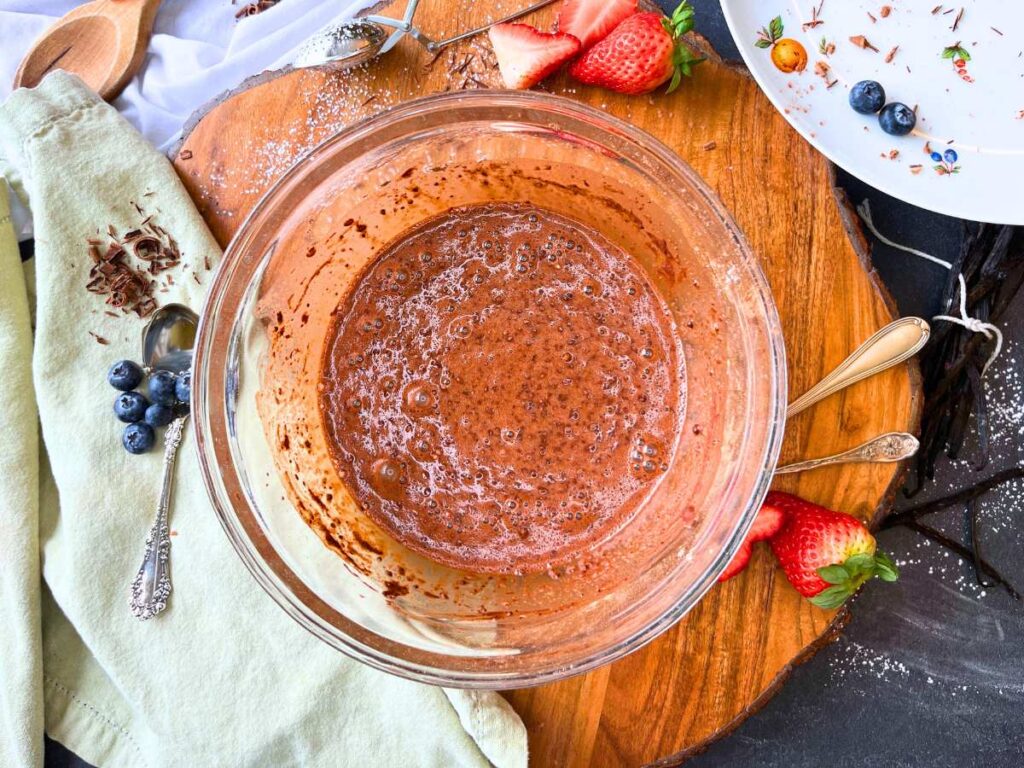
(223, 677)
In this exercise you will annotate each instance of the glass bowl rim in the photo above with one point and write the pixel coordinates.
(235, 529)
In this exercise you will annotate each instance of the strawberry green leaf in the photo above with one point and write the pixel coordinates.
(832, 597)
(860, 563)
(682, 19)
(677, 78)
(886, 575)
(834, 574)
(885, 568)
(776, 28)
(683, 60)
(949, 53)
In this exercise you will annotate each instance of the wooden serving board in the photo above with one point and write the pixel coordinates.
(726, 658)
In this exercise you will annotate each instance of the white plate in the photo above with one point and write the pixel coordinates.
(978, 115)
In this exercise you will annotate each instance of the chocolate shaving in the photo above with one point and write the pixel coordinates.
(823, 70)
(121, 270)
(815, 21)
(956, 22)
(433, 59)
(251, 9)
(891, 55)
(862, 42)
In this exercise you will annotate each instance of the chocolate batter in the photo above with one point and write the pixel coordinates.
(502, 388)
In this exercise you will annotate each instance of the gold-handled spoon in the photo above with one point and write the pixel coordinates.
(894, 344)
(884, 449)
(103, 42)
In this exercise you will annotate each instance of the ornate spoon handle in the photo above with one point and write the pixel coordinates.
(892, 446)
(896, 342)
(152, 585)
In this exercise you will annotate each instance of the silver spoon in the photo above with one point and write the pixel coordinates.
(884, 449)
(354, 42)
(167, 343)
(892, 345)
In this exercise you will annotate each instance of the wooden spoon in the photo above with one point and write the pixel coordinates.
(103, 42)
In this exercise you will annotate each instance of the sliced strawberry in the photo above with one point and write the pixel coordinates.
(590, 21)
(739, 561)
(769, 521)
(526, 55)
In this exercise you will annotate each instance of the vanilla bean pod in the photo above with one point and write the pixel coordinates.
(955, 546)
(960, 497)
(991, 260)
(972, 522)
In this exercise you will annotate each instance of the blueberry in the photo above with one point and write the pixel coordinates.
(159, 415)
(950, 155)
(897, 119)
(936, 157)
(183, 389)
(161, 387)
(124, 375)
(130, 406)
(138, 438)
(867, 97)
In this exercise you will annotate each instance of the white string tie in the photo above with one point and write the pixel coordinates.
(972, 324)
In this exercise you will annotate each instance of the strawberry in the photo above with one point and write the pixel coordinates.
(640, 54)
(590, 21)
(768, 522)
(526, 55)
(826, 555)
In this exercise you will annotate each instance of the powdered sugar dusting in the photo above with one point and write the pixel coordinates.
(854, 659)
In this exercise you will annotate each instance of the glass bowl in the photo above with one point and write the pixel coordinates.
(261, 442)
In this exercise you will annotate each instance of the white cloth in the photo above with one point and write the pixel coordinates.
(198, 51)
(224, 677)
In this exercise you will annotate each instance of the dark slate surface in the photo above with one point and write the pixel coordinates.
(930, 672)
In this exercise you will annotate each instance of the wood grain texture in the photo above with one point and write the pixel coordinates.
(727, 657)
(103, 42)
